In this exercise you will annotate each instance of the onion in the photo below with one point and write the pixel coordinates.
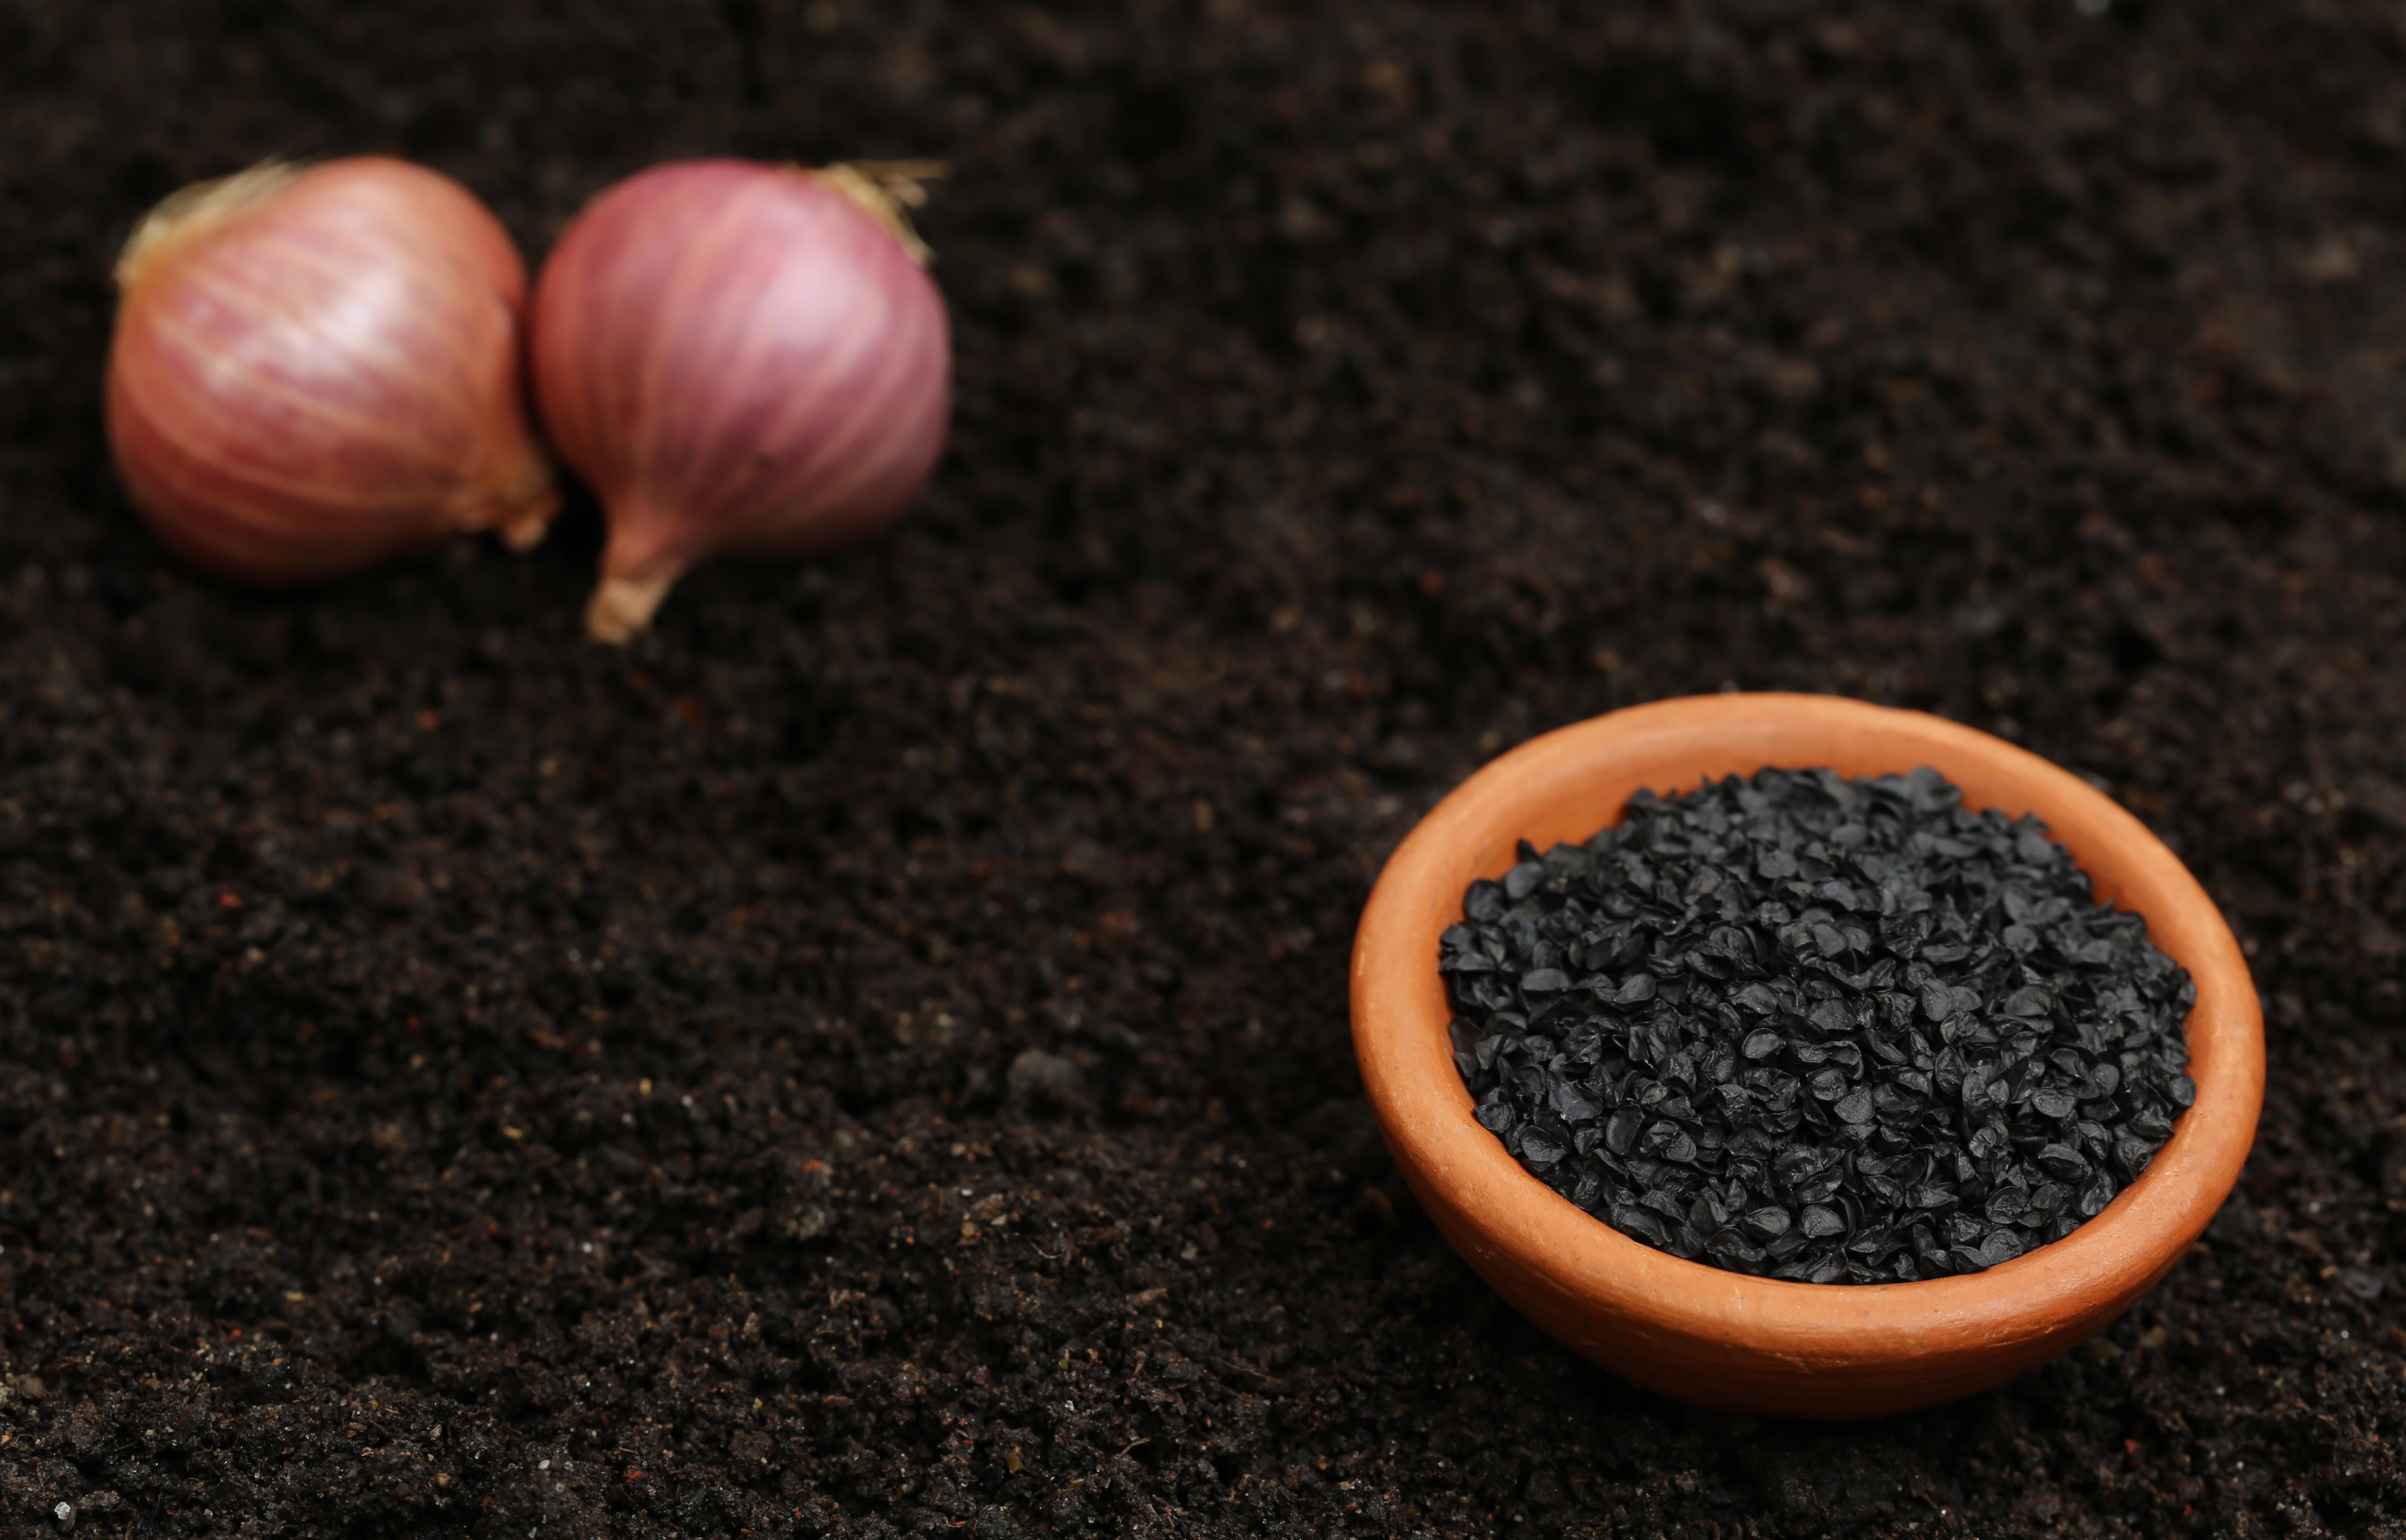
(317, 369)
(741, 360)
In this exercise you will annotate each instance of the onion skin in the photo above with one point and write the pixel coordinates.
(740, 360)
(316, 369)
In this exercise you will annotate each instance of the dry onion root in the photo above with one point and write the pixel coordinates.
(741, 360)
(314, 369)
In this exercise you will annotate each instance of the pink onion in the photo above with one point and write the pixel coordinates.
(741, 360)
(317, 369)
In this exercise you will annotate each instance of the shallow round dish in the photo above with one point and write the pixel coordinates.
(1723, 1339)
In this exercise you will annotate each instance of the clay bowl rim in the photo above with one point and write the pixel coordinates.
(1400, 1019)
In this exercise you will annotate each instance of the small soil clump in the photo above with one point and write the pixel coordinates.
(1821, 1029)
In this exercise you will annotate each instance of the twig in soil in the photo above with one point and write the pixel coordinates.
(1273, 1381)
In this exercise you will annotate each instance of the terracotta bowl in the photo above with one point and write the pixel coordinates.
(1722, 1339)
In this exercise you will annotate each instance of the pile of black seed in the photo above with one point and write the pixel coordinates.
(1839, 1031)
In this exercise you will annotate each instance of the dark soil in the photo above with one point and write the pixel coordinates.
(873, 1058)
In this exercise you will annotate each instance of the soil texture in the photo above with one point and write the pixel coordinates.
(871, 1059)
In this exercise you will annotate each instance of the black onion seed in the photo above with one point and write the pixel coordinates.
(1814, 1028)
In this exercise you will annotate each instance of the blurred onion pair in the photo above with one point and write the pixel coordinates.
(315, 369)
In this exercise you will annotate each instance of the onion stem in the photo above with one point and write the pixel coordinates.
(194, 211)
(887, 189)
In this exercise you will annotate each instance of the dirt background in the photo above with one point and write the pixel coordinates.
(456, 1079)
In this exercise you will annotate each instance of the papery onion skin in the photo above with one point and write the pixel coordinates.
(741, 360)
(317, 368)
